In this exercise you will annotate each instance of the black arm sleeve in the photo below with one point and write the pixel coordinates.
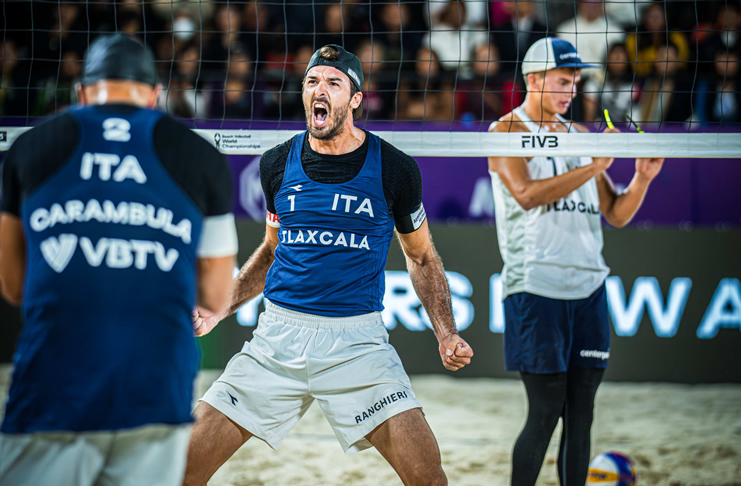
(402, 186)
(272, 168)
(35, 156)
(196, 166)
(11, 198)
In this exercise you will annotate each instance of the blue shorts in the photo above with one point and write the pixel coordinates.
(545, 335)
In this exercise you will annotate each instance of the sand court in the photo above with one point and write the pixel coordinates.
(678, 435)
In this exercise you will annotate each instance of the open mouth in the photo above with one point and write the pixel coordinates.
(320, 114)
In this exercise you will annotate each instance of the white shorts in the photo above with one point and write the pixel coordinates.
(346, 364)
(152, 455)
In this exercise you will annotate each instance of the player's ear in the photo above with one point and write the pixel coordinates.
(80, 95)
(356, 100)
(154, 96)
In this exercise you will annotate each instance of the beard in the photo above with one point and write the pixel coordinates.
(335, 121)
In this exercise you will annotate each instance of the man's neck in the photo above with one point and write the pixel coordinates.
(537, 113)
(348, 141)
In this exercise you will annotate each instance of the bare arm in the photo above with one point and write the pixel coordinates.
(248, 284)
(619, 209)
(428, 277)
(529, 193)
(12, 258)
(251, 279)
(214, 281)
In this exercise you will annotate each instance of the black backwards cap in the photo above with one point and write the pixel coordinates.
(119, 57)
(347, 62)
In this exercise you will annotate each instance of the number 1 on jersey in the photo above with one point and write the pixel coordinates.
(293, 201)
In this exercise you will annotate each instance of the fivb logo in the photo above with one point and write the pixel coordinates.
(538, 141)
(114, 252)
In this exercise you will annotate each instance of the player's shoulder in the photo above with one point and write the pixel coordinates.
(391, 152)
(47, 145)
(277, 154)
(167, 130)
(507, 124)
(59, 128)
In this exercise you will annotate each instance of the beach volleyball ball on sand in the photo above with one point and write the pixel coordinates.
(612, 469)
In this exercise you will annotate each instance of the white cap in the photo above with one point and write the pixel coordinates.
(552, 53)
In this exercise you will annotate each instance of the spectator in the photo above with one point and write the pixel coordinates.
(227, 22)
(336, 27)
(67, 32)
(183, 26)
(195, 10)
(59, 92)
(257, 27)
(131, 24)
(490, 93)
(723, 34)
(451, 41)
(515, 36)
(372, 58)
(617, 93)
(476, 14)
(13, 83)
(718, 97)
(430, 95)
(591, 33)
(399, 38)
(667, 93)
(175, 41)
(183, 97)
(236, 102)
(643, 46)
(626, 12)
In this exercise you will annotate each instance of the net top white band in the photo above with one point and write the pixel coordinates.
(480, 144)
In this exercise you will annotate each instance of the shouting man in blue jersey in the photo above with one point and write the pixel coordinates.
(334, 195)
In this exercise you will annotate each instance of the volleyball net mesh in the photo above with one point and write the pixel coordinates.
(437, 72)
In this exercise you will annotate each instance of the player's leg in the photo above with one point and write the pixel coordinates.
(589, 352)
(536, 343)
(407, 443)
(214, 440)
(578, 412)
(360, 384)
(546, 394)
(263, 393)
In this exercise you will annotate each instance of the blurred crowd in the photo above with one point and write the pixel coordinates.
(423, 60)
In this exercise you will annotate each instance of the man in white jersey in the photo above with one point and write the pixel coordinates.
(549, 229)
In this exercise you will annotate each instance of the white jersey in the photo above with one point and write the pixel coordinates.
(554, 250)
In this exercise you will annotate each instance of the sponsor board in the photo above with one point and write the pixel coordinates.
(674, 300)
(233, 141)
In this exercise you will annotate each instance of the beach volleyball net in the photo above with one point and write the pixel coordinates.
(437, 72)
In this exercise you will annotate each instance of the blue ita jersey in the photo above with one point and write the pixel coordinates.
(111, 238)
(334, 240)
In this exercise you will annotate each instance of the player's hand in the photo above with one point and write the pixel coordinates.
(455, 352)
(203, 321)
(649, 168)
(603, 163)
